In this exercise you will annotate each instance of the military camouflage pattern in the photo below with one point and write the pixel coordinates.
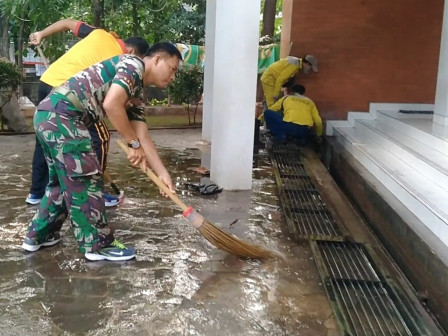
(75, 180)
(92, 84)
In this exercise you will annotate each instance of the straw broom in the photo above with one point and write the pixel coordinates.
(214, 235)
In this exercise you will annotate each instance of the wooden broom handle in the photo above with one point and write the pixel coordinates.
(157, 181)
(41, 54)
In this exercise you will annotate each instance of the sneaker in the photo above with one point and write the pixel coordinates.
(32, 245)
(110, 201)
(32, 199)
(115, 252)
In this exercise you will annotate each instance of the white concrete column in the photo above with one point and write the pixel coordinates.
(210, 32)
(441, 102)
(233, 91)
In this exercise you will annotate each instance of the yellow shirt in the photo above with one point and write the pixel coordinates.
(279, 72)
(300, 110)
(97, 46)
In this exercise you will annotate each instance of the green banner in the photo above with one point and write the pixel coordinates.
(192, 54)
(267, 55)
(195, 55)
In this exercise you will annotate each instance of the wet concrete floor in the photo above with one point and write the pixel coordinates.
(179, 284)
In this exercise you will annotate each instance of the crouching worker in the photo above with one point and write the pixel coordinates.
(61, 122)
(299, 117)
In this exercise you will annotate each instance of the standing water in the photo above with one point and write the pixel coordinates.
(179, 284)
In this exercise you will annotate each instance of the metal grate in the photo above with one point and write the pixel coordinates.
(306, 213)
(285, 147)
(303, 200)
(291, 183)
(364, 303)
(288, 164)
(313, 226)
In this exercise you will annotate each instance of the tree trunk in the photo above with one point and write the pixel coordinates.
(4, 40)
(269, 18)
(98, 13)
(20, 45)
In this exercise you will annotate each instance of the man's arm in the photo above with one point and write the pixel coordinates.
(152, 155)
(114, 105)
(62, 25)
(317, 120)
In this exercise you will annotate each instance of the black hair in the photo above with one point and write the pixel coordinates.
(298, 88)
(164, 47)
(138, 43)
(289, 82)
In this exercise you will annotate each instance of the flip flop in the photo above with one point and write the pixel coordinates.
(209, 189)
(193, 186)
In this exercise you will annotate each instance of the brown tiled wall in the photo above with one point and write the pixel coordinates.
(368, 51)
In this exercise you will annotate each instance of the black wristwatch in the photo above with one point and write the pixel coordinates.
(135, 143)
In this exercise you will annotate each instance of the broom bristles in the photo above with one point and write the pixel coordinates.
(232, 244)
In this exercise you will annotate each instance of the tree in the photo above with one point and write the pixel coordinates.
(270, 26)
(4, 41)
(269, 13)
(187, 88)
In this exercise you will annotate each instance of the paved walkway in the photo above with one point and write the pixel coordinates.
(179, 284)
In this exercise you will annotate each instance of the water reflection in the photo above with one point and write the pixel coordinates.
(179, 283)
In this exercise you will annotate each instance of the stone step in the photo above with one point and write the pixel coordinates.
(406, 175)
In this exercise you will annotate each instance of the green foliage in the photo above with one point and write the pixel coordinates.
(187, 23)
(188, 86)
(10, 74)
(156, 102)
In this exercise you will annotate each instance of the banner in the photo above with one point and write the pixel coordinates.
(192, 54)
(267, 55)
(195, 55)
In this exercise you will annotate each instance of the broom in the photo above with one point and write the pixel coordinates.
(214, 235)
(111, 182)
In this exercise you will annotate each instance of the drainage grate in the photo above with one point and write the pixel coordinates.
(303, 200)
(291, 183)
(288, 164)
(313, 226)
(306, 213)
(364, 303)
(286, 147)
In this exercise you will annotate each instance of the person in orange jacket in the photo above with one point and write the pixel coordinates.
(281, 71)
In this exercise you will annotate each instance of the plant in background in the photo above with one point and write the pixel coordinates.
(10, 75)
(187, 88)
(157, 102)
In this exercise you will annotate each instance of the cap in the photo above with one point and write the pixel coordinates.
(313, 61)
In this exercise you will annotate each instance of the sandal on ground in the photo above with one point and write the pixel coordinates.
(209, 189)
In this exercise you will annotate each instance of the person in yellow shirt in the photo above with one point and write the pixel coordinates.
(96, 45)
(299, 117)
(281, 71)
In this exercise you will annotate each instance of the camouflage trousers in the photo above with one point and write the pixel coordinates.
(75, 180)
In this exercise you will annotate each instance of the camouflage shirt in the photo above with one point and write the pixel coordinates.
(92, 84)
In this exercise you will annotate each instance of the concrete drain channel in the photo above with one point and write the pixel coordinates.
(364, 302)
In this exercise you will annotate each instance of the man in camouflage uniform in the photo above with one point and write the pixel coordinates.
(114, 88)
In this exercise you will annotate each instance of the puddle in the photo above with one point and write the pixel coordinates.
(179, 284)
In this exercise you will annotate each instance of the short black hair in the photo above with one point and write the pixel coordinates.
(164, 47)
(298, 88)
(138, 43)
